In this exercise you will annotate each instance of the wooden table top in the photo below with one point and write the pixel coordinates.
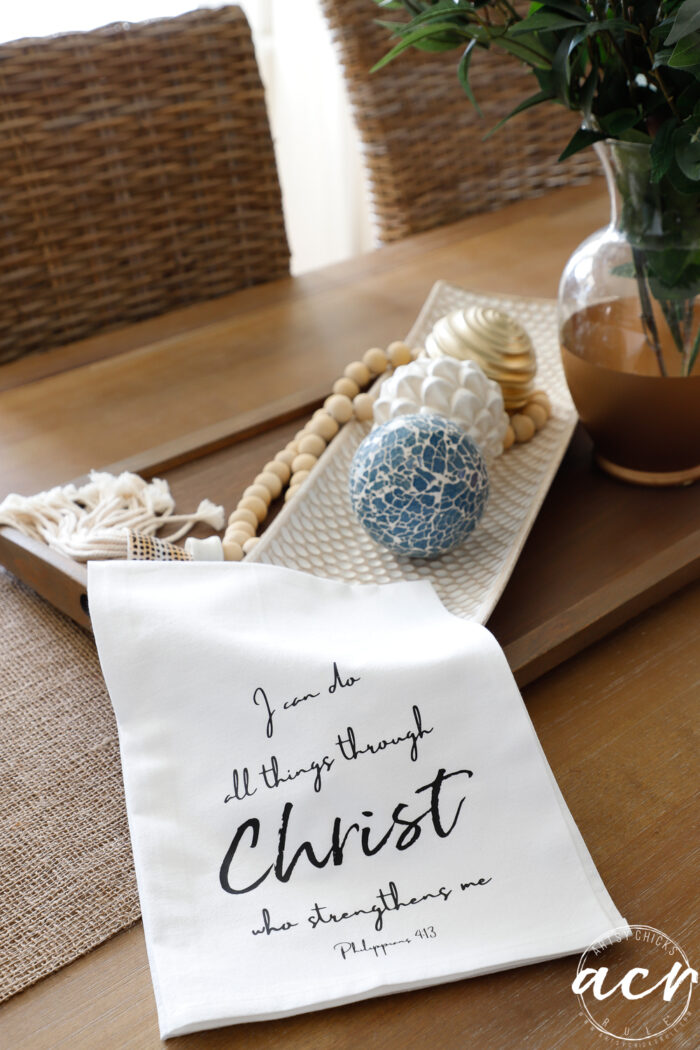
(615, 721)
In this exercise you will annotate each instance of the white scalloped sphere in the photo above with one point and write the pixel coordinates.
(457, 390)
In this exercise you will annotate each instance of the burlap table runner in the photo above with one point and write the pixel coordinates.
(66, 869)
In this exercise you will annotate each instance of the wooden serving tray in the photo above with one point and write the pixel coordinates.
(599, 553)
(318, 531)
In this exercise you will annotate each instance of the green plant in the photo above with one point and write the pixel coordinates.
(631, 68)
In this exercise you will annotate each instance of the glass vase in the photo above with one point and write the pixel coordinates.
(629, 322)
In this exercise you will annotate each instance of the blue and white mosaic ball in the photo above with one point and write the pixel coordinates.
(418, 485)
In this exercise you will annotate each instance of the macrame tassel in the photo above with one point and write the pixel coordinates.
(96, 519)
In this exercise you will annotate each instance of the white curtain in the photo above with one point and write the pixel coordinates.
(317, 149)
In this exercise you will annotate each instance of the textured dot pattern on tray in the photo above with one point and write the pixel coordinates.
(317, 531)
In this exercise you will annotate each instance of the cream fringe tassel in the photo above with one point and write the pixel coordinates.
(93, 520)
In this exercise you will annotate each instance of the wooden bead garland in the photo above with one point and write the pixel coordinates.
(339, 407)
(359, 372)
(270, 481)
(282, 470)
(313, 444)
(346, 386)
(293, 464)
(525, 423)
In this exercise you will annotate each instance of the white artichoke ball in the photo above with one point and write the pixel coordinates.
(456, 390)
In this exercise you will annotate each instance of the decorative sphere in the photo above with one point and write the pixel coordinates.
(444, 386)
(418, 485)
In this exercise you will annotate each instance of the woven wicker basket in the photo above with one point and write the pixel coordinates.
(137, 174)
(423, 141)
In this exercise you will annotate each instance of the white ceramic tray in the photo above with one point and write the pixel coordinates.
(317, 531)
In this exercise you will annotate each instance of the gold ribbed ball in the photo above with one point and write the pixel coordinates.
(496, 341)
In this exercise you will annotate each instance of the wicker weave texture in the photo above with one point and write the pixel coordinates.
(137, 174)
(422, 139)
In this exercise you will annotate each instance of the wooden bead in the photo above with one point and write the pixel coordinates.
(541, 398)
(359, 372)
(339, 407)
(399, 354)
(509, 439)
(270, 481)
(304, 461)
(363, 406)
(280, 468)
(260, 491)
(298, 477)
(345, 386)
(523, 427)
(237, 536)
(292, 446)
(232, 550)
(286, 456)
(299, 435)
(258, 506)
(537, 413)
(325, 426)
(249, 544)
(244, 527)
(376, 360)
(291, 493)
(243, 515)
(313, 444)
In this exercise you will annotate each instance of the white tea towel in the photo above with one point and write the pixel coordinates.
(334, 792)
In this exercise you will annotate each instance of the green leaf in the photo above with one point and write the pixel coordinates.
(624, 270)
(686, 55)
(634, 135)
(619, 121)
(662, 57)
(463, 75)
(668, 265)
(687, 20)
(611, 25)
(568, 7)
(459, 12)
(529, 49)
(436, 45)
(581, 138)
(533, 100)
(444, 11)
(421, 34)
(544, 20)
(686, 144)
(588, 91)
(662, 149)
(687, 287)
(680, 181)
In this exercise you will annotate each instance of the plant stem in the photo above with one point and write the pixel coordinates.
(509, 9)
(625, 65)
(647, 315)
(669, 312)
(693, 354)
(689, 313)
(655, 73)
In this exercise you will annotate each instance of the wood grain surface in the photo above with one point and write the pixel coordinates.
(203, 396)
(615, 721)
(616, 724)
